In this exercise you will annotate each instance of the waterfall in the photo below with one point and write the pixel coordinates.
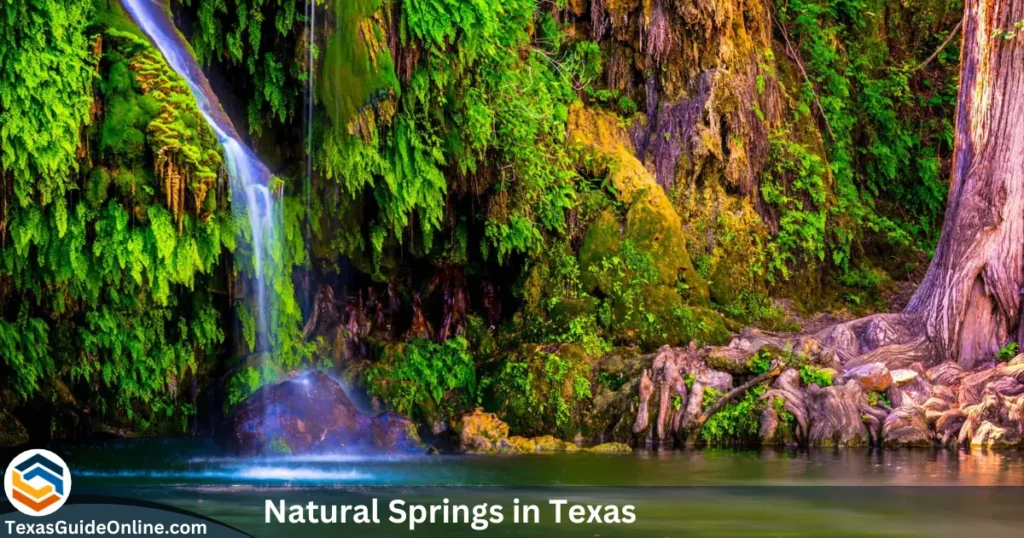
(250, 179)
(310, 103)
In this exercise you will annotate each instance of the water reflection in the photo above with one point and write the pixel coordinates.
(197, 464)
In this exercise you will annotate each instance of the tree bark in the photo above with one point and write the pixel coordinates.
(970, 298)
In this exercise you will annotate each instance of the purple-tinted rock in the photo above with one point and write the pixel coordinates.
(311, 413)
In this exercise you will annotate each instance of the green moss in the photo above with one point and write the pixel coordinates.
(122, 271)
(542, 389)
(603, 239)
(357, 63)
(611, 448)
(111, 14)
(656, 232)
(656, 315)
(278, 446)
(812, 375)
(651, 228)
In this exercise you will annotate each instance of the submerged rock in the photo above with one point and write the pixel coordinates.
(312, 413)
(611, 448)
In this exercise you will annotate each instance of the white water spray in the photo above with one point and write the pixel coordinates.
(250, 179)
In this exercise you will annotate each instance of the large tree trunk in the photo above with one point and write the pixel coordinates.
(970, 299)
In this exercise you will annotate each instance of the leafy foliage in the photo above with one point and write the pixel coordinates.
(888, 129)
(113, 287)
(497, 129)
(46, 75)
(737, 421)
(812, 375)
(539, 391)
(259, 37)
(1008, 352)
(426, 379)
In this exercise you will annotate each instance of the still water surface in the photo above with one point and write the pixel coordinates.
(846, 492)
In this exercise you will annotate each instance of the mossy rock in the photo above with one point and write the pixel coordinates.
(611, 448)
(480, 432)
(484, 433)
(651, 224)
(657, 315)
(543, 389)
(655, 228)
(544, 444)
(566, 310)
(730, 277)
(603, 239)
(278, 446)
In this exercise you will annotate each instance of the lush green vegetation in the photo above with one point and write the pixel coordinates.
(887, 129)
(256, 37)
(476, 201)
(114, 237)
(1008, 352)
(737, 421)
(424, 379)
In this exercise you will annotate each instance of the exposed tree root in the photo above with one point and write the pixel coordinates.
(733, 394)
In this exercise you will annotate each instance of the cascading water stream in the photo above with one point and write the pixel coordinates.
(250, 179)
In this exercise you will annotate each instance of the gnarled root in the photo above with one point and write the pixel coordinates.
(786, 389)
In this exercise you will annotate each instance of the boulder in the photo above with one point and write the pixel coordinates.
(611, 448)
(907, 427)
(480, 432)
(618, 374)
(484, 433)
(527, 445)
(311, 413)
(534, 380)
(874, 377)
(652, 225)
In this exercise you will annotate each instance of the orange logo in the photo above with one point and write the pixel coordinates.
(37, 482)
